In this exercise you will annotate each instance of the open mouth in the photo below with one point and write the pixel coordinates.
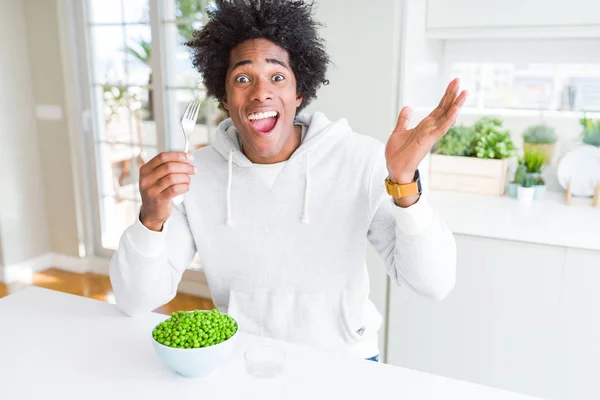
(264, 122)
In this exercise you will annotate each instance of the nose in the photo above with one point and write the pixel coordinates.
(261, 90)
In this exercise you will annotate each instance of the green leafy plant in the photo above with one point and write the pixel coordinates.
(539, 181)
(520, 174)
(483, 122)
(486, 139)
(458, 141)
(540, 134)
(143, 52)
(491, 140)
(188, 9)
(591, 131)
(534, 160)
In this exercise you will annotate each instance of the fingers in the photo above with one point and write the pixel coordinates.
(175, 190)
(166, 176)
(461, 99)
(166, 157)
(450, 94)
(448, 98)
(171, 185)
(447, 120)
(403, 119)
(149, 179)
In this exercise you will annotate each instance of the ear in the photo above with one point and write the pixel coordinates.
(224, 103)
(299, 99)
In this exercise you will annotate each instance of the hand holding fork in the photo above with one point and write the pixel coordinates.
(165, 178)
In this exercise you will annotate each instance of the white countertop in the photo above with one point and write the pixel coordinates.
(549, 221)
(60, 346)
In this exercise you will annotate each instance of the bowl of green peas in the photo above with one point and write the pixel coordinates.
(195, 343)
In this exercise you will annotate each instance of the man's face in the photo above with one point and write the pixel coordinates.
(261, 98)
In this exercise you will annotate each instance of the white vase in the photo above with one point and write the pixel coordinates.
(525, 194)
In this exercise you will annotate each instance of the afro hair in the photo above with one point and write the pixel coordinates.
(287, 23)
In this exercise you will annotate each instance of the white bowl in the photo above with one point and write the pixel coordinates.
(196, 362)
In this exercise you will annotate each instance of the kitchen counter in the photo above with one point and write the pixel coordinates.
(549, 221)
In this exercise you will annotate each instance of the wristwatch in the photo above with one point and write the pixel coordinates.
(399, 191)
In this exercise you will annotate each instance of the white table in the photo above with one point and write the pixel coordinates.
(59, 346)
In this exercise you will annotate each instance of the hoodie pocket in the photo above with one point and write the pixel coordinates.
(318, 319)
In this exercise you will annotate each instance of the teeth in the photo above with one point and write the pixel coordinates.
(268, 114)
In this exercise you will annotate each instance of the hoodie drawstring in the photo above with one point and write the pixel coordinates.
(305, 219)
(229, 221)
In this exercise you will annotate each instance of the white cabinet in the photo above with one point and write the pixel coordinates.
(498, 327)
(580, 324)
(523, 317)
(513, 18)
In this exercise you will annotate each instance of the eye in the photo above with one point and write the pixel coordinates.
(242, 79)
(278, 78)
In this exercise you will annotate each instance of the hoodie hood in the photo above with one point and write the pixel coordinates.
(319, 130)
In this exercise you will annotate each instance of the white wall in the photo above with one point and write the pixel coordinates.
(23, 219)
(422, 84)
(363, 42)
(47, 82)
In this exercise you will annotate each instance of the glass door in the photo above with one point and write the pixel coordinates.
(138, 79)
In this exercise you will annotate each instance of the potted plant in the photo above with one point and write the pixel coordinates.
(540, 188)
(526, 191)
(541, 138)
(519, 178)
(472, 159)
(591, 131)
(534, 161)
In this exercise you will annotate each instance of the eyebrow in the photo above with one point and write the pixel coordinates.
(268, 60)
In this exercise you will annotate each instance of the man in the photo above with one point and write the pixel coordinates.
(281, 206)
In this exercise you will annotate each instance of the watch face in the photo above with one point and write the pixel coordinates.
(418, 180)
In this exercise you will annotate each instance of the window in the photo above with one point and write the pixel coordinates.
(534, 86)
(560, 75)
(140, 79)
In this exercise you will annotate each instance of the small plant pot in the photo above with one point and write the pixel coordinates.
(512, 189)
(540, 192)
(525, 194)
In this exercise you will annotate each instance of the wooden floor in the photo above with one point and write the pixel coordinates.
(98, 287)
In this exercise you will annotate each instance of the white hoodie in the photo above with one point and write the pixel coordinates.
(289, 262)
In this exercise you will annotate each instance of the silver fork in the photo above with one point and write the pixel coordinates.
(187, 126)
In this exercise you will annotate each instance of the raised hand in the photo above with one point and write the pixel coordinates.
(406, 148)
(162, 178)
